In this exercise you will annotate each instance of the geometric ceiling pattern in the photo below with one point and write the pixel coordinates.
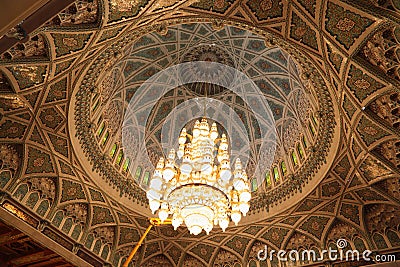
(271, 69)
(47, 183)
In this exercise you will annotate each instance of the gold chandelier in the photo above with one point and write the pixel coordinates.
(197, 189)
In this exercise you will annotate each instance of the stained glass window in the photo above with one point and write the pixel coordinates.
(283, 168)
(254, 185)
(146, 178)
(113, 150)
(119, 158)
(300, 151)
(268, 179)
(276, 175)
(294, 158)
(312, 129)
(304, 142)
(126, 164)
(101, 129)
(138, 173)
(105, 138)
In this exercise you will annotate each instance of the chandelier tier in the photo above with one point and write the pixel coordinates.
(198, 187)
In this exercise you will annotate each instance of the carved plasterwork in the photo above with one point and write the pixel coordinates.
(346, 50)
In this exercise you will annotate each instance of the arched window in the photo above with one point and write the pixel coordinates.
(126, 164)
(254, 185)
(21, 191)
(43, 207)
(105, 138)
(32, 200)
(96, 104)
(359, 244)
(117, 259)
(76, 232)
(119, 158)
(113, 150)
(252, 263)
(58, 218)
(268, 182)
(105, 252)
(379, 241)
(146, 178)
(138, 173)
(314, 120)
(5, 177)
(276, 175)
(67, 225)
(97, 247)
(89, 241)
(99, 120)
(294, 158)
(300, 151)
(304, 141)
(312, 129)
(283, 168)
(393, 238)
(101, 129)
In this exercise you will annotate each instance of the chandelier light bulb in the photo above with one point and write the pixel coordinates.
(182, 137)
(238, 165)
(235, 216)
(176, 221)
(239, 184)
(181, 151)
(196, 129)
(195, 189)
(244, 208)
(168, 174)
(223, 223)
(153, 194)
(163, 212)
(154, 205)
(214, 132)
(156, 183)
(195, 230)
(245, 196)
(160, 164)
(208, 228)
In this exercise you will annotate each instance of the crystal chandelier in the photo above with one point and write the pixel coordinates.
(197, 189)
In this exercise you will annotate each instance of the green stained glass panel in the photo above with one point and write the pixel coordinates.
(113, 150)
(268, 179)
(294, 158)
(105, 138)
(276, 174)
(283, 168)
(138, 173)
(126, 164)
(312, 129)
(300, 150)
(119, 158)
(101, 129)
(146, 178)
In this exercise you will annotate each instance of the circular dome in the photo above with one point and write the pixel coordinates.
(208, 53)
(296, 99)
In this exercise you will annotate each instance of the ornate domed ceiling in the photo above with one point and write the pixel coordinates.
(327, 69)
(295, 104)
